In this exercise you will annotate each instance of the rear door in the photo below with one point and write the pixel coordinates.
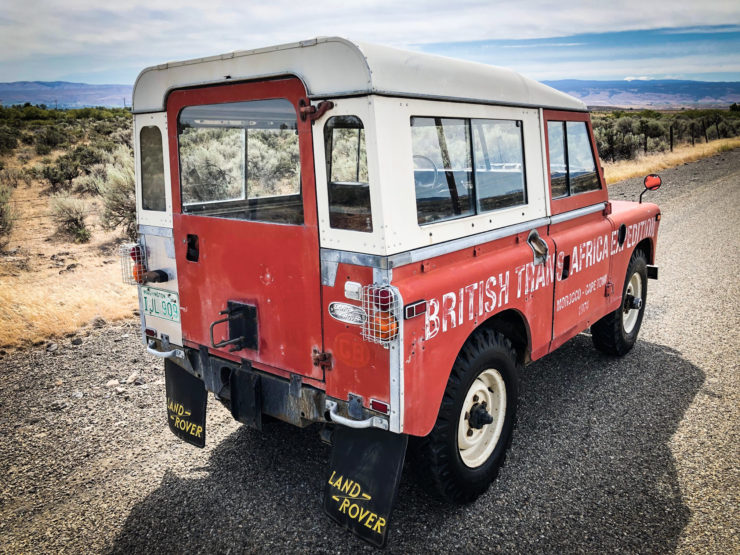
(244, 222)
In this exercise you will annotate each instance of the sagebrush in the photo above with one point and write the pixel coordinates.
(8, 215)
(70, 214)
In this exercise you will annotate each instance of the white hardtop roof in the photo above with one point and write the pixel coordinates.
(331, 67)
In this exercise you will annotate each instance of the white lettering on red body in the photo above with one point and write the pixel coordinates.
(492, 294)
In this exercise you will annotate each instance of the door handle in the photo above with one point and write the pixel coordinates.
(539, 247)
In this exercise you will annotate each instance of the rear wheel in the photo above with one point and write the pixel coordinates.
(616, 333)
(462, 454)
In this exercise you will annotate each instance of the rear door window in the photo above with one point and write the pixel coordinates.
(240, 160)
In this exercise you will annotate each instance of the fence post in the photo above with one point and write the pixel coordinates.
(671, 128)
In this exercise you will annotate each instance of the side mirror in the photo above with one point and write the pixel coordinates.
(652, 182)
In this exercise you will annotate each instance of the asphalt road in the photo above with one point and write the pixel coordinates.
(638, 454)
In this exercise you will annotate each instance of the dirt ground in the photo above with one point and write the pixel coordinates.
(48, 283)
(638, 454)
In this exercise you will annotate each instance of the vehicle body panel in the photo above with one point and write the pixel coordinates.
(274, 267)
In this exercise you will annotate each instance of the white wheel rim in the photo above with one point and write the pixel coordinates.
(630, 315)
(476, 445)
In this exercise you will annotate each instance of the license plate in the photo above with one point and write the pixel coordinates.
(161, 303)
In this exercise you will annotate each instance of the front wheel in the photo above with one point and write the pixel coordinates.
(616, 333)
(462, 454)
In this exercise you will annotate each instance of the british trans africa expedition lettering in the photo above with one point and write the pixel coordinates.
(481, 298)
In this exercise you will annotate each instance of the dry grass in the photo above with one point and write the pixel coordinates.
(37, 306)
(653, 163)
(50, 286)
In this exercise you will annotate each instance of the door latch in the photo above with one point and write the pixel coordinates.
(539, 247)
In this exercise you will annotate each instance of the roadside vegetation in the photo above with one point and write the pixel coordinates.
(67, 200)
(63, 175)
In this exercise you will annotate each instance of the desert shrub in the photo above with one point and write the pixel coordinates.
(61, 173)
(119, 194)
(87, 156)
(69, 214)
(11, 177)
(24, 156)
(123, 135)
(69, 166)
(7, 215)
(92, 182)
(51, 137)
(8, 139)
(43, 150)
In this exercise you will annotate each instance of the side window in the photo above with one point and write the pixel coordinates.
(581, 164)
(442, 168)
(152, 169)
(558, 165)
(572, 163)
(346, 171)
(240, 160)
(499, 164)
(464, 167)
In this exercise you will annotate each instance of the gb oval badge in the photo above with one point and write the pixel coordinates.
(348, 313)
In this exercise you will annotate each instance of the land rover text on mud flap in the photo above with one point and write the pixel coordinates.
(376, 241)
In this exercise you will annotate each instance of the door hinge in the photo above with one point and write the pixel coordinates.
(322, 360)
(609, 289)
(313, 112)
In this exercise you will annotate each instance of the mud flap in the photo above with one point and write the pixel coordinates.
(186, 404)
(365, 471)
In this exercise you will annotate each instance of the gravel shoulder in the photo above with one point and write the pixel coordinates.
(638, 454)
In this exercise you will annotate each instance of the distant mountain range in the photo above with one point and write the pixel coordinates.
(625, 94)
(61, 94)
(666, 93)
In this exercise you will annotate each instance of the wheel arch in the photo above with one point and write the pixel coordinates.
(646, 246)
(512, 324)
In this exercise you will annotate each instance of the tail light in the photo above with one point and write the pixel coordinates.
(382, 307)
(133, 263)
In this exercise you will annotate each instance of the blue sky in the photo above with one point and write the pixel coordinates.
(96, 42)
(709, 53)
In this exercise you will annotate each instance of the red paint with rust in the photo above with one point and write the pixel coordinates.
(275, 267)
(358, 366)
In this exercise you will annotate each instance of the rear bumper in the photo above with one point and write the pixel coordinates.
(250, 393)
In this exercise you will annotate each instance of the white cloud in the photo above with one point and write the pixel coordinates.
(59, 35)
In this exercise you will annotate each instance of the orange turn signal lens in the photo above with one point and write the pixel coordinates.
(384, 326)
(138, 272)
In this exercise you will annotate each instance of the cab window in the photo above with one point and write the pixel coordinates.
(346, 171)
(572, 163)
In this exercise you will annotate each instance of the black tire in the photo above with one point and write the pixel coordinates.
(439, 461)
(609, 334)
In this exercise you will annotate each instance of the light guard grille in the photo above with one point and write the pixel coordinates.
(382, 306)
(129, 259)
